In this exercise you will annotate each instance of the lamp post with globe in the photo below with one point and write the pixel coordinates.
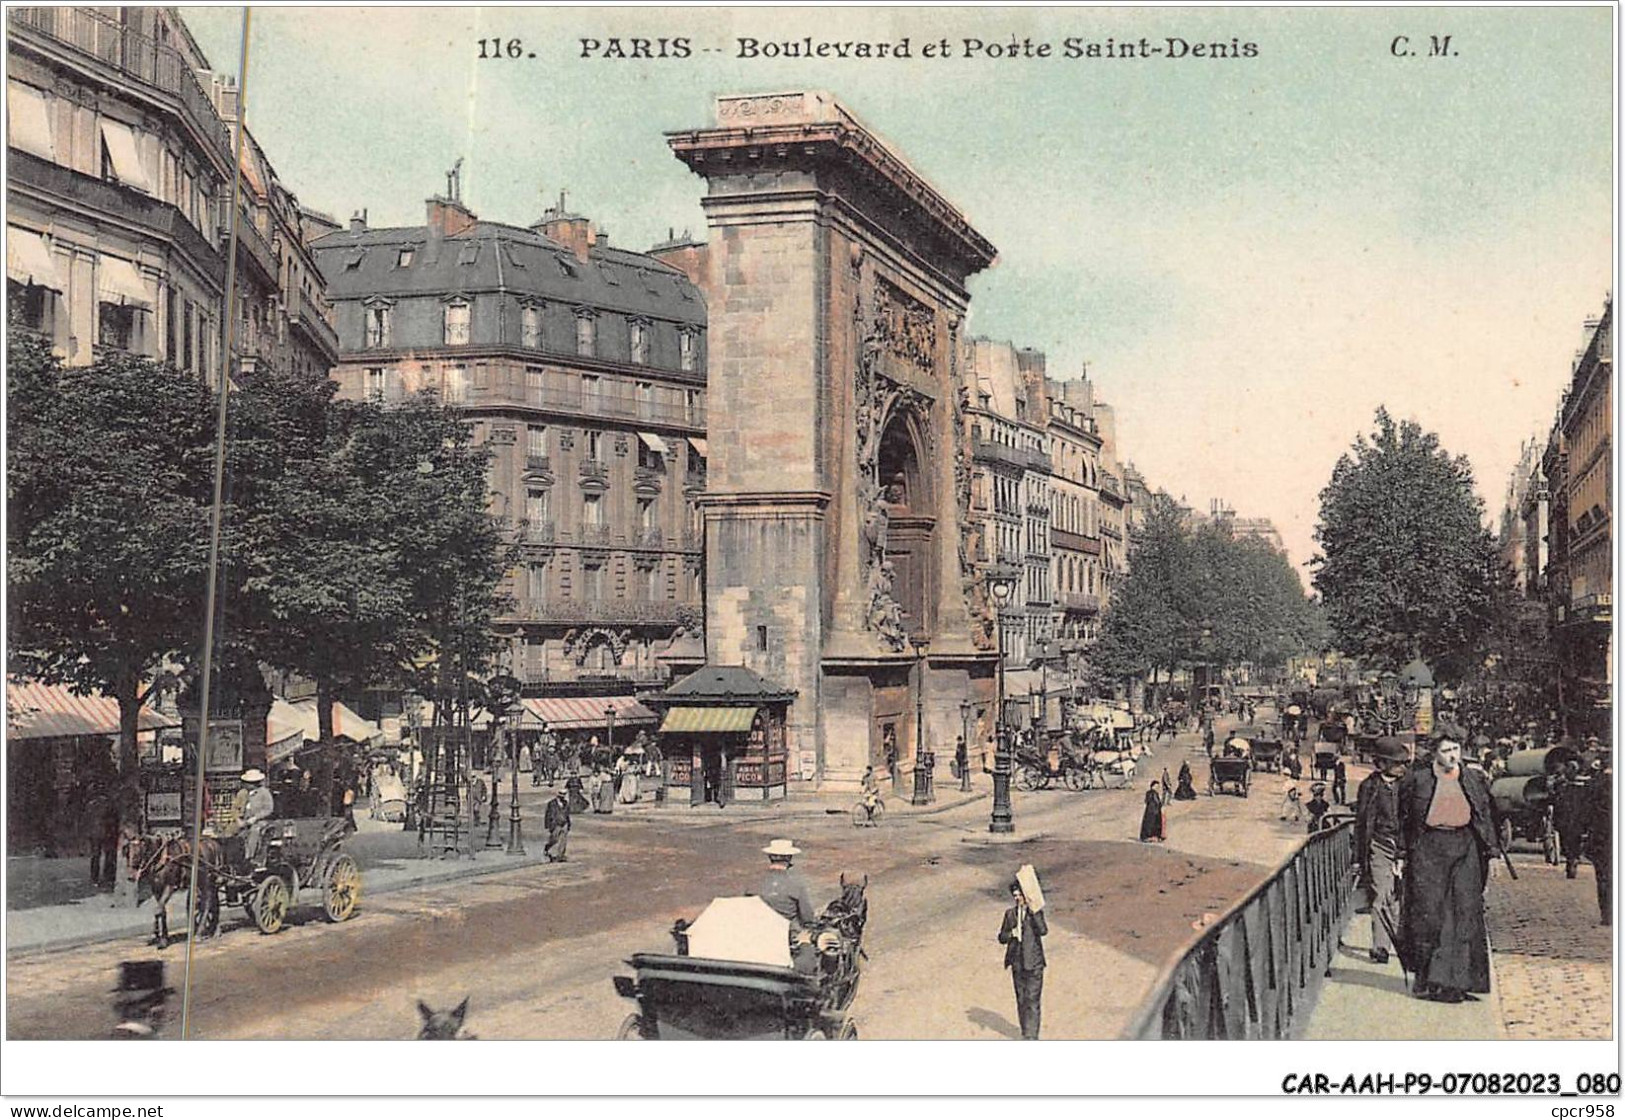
(1001, 584)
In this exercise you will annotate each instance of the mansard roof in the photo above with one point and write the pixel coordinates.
(492, 256)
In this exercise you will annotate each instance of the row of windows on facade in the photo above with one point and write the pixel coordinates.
(651, 584)
(455, 318)
(73, 136)
(538, 444)
(382, 384)
(569, 268)
(189, 333)
(539, 510)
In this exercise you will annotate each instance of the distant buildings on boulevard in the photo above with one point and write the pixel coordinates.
(760, 450)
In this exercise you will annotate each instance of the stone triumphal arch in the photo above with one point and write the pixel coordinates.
(838, 485)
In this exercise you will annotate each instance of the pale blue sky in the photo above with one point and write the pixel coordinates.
(1252, 254)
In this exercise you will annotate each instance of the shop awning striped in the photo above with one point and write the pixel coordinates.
(48, 711)
(689, 721)
(576, 713)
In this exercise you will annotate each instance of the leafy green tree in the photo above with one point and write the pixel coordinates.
(109, 485)
(362, 534)
(1407, 565)
(1197, 595)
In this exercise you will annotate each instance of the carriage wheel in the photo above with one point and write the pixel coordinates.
(815, 1035)
(1077, 780)
(1029, 777)
(1506, 834)
(270, 905)
(342, 890)
(632, 1030)
(849, 1032)
(1548, 843)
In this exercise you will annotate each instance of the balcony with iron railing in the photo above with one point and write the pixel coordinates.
(540, 532)
(28, 174)
(603, 406)
(541, 464)
(310, 315)
(595, 536)
(255, 249)
(117, 52)
(1024, 458)
(594, 468)
(1078, 601)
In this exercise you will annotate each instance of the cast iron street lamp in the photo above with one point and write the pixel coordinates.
(1001, 585)
(924, 761)
(516, 840)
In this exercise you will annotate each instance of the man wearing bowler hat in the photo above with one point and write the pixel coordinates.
(1376, 842)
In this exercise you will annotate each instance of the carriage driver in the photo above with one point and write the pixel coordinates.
(252, 807)
(787, 893)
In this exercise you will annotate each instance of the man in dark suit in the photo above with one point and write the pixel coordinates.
(1022, 936)
(1447, 832)
(1376, 842)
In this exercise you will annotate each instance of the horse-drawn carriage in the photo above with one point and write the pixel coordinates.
(1266, 748)
(294, 855)
(733, 975)
(1522, 796)
(1229, 773)
(1063, 761)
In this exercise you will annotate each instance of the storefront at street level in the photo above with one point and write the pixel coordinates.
(722, 732)
(58, 748)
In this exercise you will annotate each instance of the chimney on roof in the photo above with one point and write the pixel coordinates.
(358, 221)
(448, 217)
(570, 230)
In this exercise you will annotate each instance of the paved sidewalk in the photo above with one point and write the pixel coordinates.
(1550, 971)
(1553, 958)
(50, 904)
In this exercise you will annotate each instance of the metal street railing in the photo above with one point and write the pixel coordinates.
(1254, 973)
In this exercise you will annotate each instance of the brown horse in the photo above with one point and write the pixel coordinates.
(166, 864)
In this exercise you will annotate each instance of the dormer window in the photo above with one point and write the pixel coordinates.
(687, 350)
(586, 334)
(640, 343)
(378, 325)
(456, 324)
(530, 327)
(404, 258)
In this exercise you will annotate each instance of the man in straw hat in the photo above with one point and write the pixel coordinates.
(787, 893)
(251, 807)
(1376, 842)
(1447, 837)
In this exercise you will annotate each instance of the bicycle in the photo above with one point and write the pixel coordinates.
(866, 815)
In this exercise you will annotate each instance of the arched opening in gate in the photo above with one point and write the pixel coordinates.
(905, 487)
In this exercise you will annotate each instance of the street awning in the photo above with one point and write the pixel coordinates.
(577, 713)
(29, 260)
(28, 119)
(125, 156)
(653, 443)
(690, 721)
(302, 714)
(118, 281)
(698, 444)
(49, 711)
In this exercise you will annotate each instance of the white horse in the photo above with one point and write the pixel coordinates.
(1118, 764)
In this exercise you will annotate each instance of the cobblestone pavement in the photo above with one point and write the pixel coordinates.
(1553, 960)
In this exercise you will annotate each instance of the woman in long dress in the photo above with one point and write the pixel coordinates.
(1151, 822)
(1186, 790)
